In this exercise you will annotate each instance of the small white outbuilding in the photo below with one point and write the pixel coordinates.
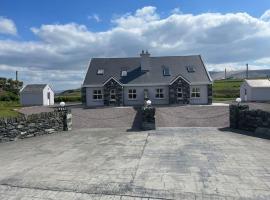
(255, 90)
(37, 94)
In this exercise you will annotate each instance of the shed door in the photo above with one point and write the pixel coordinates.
(48, 97)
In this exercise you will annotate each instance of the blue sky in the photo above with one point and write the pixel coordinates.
(53, 40)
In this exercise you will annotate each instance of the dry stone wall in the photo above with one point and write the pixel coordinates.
(33, 125)
(257, 121)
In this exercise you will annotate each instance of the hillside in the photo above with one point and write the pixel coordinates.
(218, 75)
(224, 90)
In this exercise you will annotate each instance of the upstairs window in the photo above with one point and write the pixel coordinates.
(166, 72)
(159, 93)
(97, 94)
(195, 93)
(132, 94)
(124, 73)
(100, 71)
(190, 69)
(179, 93)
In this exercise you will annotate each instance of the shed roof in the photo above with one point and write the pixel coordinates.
(34, 88)
(259, 83)
(177, 65)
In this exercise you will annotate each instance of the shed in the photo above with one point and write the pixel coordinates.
(255, 90)
(37, 94)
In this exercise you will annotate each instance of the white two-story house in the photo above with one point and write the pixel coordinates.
(163, 80)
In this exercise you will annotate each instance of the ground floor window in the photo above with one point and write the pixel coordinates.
(195, 92)
(97, 94)
(132, 94)
(159, 93)
(179, 93)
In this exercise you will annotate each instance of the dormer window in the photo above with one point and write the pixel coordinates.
(100, 71)
(124, 73)
(166, 72)
(190, 69)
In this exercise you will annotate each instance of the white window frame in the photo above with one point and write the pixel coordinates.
(124, 73)
(159, 93)
(100, 71)
(98, 93)
(132, 94)
(179, 92)
(195, 92)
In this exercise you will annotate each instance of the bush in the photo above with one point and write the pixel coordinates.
(8, 96)
(67, 99)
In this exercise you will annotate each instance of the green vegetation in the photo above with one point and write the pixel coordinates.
(69, 96)
(6, 109)
(226, 90)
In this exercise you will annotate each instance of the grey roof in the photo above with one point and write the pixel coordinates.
(177, 65)
(260, 83)
(34, 88)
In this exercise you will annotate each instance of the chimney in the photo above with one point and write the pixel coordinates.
(145, 61)
(247, 71)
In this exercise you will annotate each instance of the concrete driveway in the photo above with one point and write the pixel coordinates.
(170, 163)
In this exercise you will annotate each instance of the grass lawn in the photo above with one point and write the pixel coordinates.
(6, 109)
(226, 90)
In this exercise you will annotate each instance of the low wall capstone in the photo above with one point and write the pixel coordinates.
(37, 124)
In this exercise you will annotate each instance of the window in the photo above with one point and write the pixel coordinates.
(179, 93)
(159, 93)
(124, 73)
(100, 71)
(245, 91)
(132, 94)
(112, 95)
(190, 69)
(97, 94)
(166, 72)
(195, 93)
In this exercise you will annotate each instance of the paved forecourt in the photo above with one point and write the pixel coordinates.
(170, 163)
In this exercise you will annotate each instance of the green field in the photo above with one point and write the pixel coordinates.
(6, 109)
(225, 90)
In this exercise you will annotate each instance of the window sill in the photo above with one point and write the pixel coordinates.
(132, 99)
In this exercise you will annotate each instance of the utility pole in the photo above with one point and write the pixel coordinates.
(225, 75)
(247, 71)
(16, 75)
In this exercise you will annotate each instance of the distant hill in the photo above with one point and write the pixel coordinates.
(218, 75)
(71, 92)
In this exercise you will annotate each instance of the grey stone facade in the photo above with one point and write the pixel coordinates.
(113, 85)
(173, 98)
(210, 93)
(33, 125)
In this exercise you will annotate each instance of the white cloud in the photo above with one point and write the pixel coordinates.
(266, 16)
(7, 26)
(176, 11)
(95, 17)
(222, 39)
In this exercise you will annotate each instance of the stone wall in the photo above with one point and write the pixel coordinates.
(251, 120)
(33, 125)
(173, 92)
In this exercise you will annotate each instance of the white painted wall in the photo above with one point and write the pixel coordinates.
(89, 97)
(151, 95)
(254, 94)
(37, 98)
(46, 101)
(203, 99)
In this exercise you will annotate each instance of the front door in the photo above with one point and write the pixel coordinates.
(48, 97)
(112, 97)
